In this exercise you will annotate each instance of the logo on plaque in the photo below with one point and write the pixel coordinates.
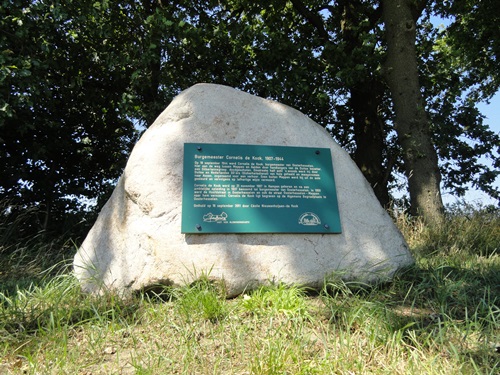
(210, 218)
(309, 218)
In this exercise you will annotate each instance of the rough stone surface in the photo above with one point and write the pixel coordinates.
(136, 241)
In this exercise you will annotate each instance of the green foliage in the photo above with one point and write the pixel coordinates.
(453, 86)
(78, 79)
(474, 39)
(62, 134)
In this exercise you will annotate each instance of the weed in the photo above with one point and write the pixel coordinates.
(204, 298)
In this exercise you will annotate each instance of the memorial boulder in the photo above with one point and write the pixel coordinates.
(245, 190)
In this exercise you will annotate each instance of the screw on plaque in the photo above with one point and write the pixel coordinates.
(198, 227)
(318, 152)
(199, 148)
(326, 226)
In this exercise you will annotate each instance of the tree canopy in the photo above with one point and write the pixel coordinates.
(78, 79)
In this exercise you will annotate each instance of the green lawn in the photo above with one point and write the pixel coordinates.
(441, 316)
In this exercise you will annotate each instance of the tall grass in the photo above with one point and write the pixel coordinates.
(25, 258)
(441, 316)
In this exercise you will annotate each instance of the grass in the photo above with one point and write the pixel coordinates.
(441, 316)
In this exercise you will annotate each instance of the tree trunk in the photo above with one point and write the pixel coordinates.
(366, 94)
(412, 124)
(369, 137)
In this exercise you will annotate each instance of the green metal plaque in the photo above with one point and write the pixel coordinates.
(258, 189)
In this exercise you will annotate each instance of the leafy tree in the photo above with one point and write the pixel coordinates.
(77, 77)
(324, 60)
(349, 41)
(461, 70)
(62, 132)
(351, 46)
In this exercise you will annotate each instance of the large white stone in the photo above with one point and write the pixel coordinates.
(137, 242)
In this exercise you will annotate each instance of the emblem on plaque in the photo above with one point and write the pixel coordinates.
(210, 217)
(309, 218)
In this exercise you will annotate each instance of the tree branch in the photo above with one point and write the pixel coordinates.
(417, 8)
(313, 18)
